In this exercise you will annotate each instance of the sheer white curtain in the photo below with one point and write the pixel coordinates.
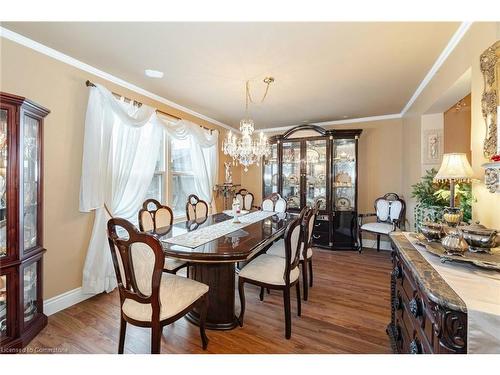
(204, 154)
(121, 146)
(120, 150)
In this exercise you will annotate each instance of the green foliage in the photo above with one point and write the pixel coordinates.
(433, 196)
(425, 189)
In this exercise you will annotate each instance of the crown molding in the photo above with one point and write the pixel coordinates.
(336, 122)
(453, 42)
(29, 43)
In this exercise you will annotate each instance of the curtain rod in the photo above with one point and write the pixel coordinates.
(88, 83)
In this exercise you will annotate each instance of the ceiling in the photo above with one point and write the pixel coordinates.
(323, 71)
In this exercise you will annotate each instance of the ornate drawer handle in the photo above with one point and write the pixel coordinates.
(415, 347)
(315, 236)
(396, 272)
(398, 333)
(415, 307)
(397, 303)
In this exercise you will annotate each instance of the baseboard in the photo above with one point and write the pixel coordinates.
(384, 245)
(64, 300)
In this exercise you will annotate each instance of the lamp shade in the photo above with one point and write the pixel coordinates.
(454, 167)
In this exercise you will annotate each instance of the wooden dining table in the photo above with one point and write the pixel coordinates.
(214, 263)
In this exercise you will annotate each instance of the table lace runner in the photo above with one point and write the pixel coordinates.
(480, 290)
(206, 234)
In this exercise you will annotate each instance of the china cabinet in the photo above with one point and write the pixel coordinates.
(21, 249)
(309, 164)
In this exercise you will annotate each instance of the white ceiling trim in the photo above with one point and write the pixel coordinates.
(336, 122)
(455, 39)
(20, 39)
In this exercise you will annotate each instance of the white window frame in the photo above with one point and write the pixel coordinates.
(170, 175)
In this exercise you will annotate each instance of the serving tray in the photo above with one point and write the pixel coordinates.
(489, 261)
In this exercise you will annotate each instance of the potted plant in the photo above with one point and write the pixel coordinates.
(432, 197)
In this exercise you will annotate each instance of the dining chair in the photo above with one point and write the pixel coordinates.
(275, 203)
(273, 272)
(148, 296)
(245, 198)
(306, 253)
(196, 208)
(390, 214)
(153, 216)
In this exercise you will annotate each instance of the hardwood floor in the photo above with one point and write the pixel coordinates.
(347, 312)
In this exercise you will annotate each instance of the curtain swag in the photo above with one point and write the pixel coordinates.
(121, 145)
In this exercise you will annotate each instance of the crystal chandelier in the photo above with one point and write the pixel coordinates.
(245, 150)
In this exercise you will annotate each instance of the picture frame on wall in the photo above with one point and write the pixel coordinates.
(433, 146)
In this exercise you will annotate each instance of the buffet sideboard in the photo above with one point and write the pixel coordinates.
(427, 316)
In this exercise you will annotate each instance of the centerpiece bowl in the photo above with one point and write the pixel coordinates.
(479, 238)
(433, 232)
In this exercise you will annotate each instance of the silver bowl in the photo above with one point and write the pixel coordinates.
(479, 238)
(433, 232)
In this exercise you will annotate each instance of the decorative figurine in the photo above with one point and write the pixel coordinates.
(228, 173)
(236, 211)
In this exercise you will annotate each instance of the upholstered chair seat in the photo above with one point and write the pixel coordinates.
(307, 217)
(274, 272)
(176, 294)
(278, 249)
(390, 216)
(149, 297)
(268, 269)
(383, 228)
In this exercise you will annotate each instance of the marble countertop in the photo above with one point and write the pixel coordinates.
(426, 276)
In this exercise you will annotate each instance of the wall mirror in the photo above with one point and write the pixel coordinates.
(490, 67)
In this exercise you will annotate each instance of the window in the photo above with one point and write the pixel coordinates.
(182, 175)
(174, 178)
(156, 189)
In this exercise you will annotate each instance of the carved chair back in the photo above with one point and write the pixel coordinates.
(138, 262)
(196, 208)
(154, 215)
(275, 203)
(245, 198)
(390, 209)
(308, 228)
(293, 239)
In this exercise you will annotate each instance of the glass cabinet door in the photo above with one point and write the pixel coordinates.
(3, 182)
(30, 295)
(344, 193)
(315, 189)
(271, 172)
(344, 175)
(30, 179)
(291, 174)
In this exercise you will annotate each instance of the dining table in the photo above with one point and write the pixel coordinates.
(214, 262)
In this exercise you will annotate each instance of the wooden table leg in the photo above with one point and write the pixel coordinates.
(220, 278)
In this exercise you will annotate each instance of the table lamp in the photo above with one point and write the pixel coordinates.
(454, 168)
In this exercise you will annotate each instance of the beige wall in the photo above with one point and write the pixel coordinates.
(380, 162)
(466, 55)
(457, 128)
(61, 88)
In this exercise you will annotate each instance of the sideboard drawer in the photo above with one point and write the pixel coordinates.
(418, 324)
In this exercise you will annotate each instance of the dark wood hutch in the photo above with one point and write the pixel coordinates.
(21, 216)
(309, 164)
